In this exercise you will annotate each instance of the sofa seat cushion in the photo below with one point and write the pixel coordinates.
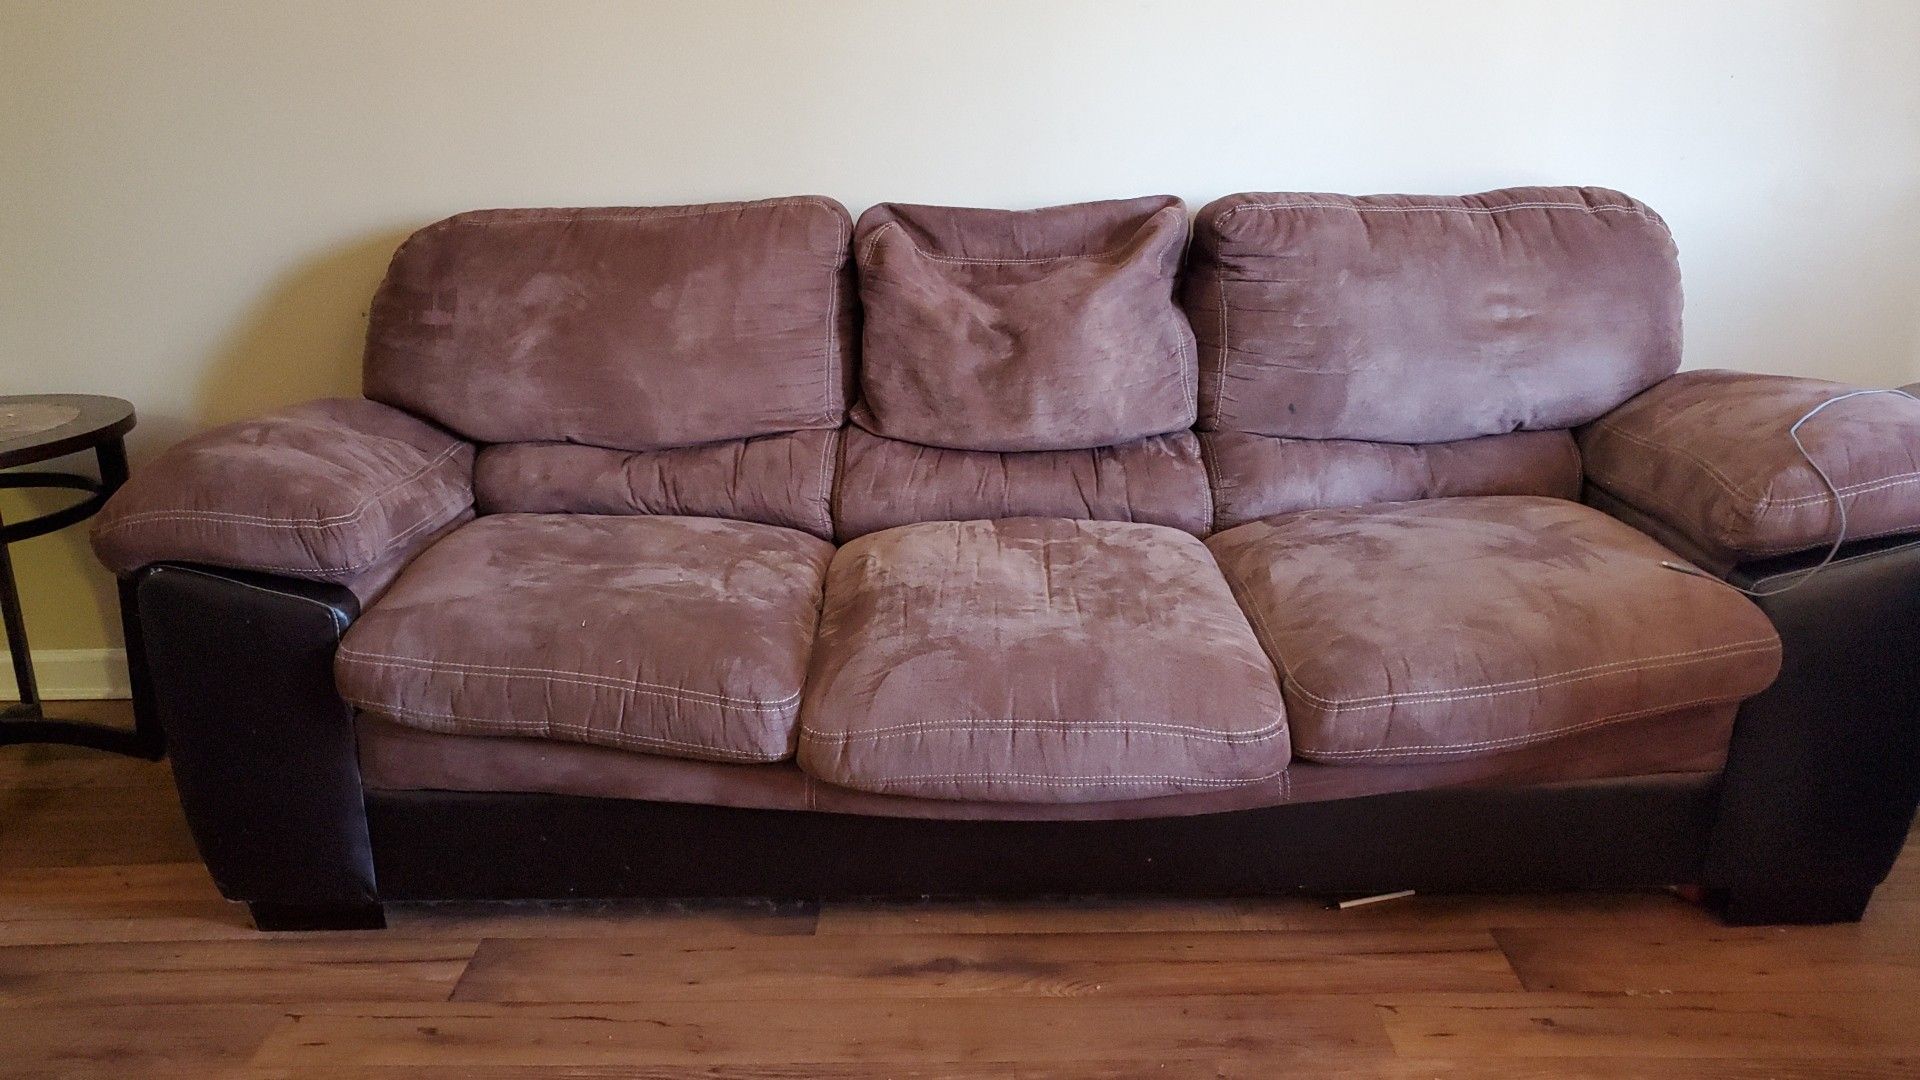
(686, 637)
(1452, 628)
(1037, 660)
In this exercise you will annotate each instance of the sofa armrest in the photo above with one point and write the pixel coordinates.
(341, 490)
(1712, 456)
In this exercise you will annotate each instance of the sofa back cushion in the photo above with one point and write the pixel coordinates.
(1417, 319)
(882, 483)
(1257, 476)
(783, 479)
(1052, 329)
(630, 328)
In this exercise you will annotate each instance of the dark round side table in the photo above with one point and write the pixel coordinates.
(36, 428)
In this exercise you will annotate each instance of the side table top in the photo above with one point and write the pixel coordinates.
(36, 427)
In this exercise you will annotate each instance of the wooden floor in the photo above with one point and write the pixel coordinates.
(118, 959)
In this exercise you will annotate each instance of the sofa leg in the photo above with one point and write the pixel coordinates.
(348, 916)
(1803, 907)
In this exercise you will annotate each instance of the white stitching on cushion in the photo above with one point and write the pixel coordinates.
(833, 315)
(267, 521)
(429, 720)
(874, 237)
(1075, 781)
(1862, 487)
(511, 216)
(1763, 502)
(1517, 740)
(826, 479)
(1210, 463)
(438, 517)
(1725, 481)
(1540, 682)
(1583, 207)
(1196, 734)
(1220, 371)
(582, 678)
(873, 241)
(1189, 364)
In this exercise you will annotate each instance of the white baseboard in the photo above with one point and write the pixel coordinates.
(71, 674)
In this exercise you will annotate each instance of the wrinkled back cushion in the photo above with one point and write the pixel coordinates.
(784, 479)
(884, 482)
(1417, 319)
(631, 328)
(1257, 476)
(1050, 329)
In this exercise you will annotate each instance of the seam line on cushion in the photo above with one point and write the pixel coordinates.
(423, 718)
(1220, 369)
(1210, 465)
(504, 671)
(1518, 740)
(629, 213)
(1262, 635)
(833, 320)
(1713, 472)
(269, 521)
(1189, 367)
(1519, 686)
(1862, 487)
(433, 518)
(1646, 502)
(1582, 207)
(873, 239)
(1765, 502)
(827, 456)
(1070, 726)
(1076, 781)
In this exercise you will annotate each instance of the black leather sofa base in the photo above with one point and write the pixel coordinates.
(1814, 804)
(438, 845)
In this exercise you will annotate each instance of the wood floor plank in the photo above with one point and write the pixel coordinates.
(1103, 915)
(1781, 1026)
(150, 1042)
(1618, 1068)
(1812, 959)
(962, 965)
(918, 1032)
(118, 958)
(115, 903)
(1343, 1066)
(136, 818)
(368, 966)
(58, 892)
(603, 921)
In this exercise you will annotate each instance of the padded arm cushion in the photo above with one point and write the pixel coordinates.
(330, 490)
(1708, 454)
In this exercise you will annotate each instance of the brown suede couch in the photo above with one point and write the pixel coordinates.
(1315, 543)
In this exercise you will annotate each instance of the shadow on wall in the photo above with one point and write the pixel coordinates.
(303, 340)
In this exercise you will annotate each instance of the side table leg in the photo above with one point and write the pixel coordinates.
(16, 628)
(27, 722)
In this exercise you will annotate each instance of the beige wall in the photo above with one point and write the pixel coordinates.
(199, 197)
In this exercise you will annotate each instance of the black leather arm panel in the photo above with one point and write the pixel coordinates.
(262, 745)
(1824, 770)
